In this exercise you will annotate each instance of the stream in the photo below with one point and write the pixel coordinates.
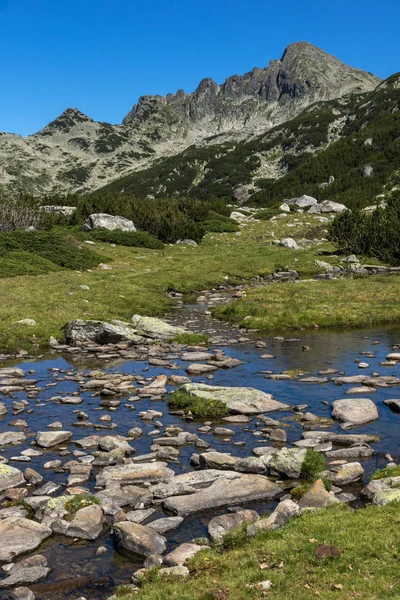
(76, 570)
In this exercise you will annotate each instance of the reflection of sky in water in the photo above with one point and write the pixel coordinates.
(72, 563)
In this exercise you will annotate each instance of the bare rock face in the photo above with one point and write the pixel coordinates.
(76, 154)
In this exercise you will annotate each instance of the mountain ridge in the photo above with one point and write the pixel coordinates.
(74, 153)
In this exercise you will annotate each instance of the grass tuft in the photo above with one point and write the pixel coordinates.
(190, 339)
(387, 472)
(312, 466)
(200, 407)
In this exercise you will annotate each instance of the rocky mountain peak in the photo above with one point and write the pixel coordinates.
(68, 119)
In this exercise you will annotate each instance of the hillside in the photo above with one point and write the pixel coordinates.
(76, 154)
(353, 142)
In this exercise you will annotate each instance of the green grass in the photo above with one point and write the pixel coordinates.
(368, 567)
(190, 339)
(80, 501)
(387, 472)
(141, 278)
(137, 239)
(200, 407)
(358, 302)
(312, 466)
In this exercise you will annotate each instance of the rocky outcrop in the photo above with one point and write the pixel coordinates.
(109, 222)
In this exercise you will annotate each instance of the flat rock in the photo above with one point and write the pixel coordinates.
(162, 526)
(344, 474)
(10, 477)
(224, 492)
(19, 535)
(242, 400)
(355, 411)
(135, 473)
(48, 439)
(12, 438)
(190, 483)
(156, 328)
(181, 554)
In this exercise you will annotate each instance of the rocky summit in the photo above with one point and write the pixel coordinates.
(74, 153)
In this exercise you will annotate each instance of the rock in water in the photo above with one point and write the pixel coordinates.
(355, 411)
(19, 535)
(10, 477)
(47, 439)
(138, 539)
(242, 400)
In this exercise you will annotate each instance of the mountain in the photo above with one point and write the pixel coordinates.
(76, 154)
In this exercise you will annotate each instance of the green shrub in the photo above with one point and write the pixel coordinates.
(387, 472)
(190, 339)
(312, 466)
(139, 239)
(267, 213)
(200, 407)
(220, 226)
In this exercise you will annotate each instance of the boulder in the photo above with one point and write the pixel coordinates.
(156, 328)
(289, 243)
(302, 202)
(286, 510)
(242, 400)
(382, 491)
(86, 525)
(12, 438)
(224, 492)
(219, 526)
(100, 332)
(317, 496)
(27, 571)
(48, 439)
(109, 222)
(344, 474)
(393, 404)
(134, 473)
(327, 206)
(138, 539)
(190, 483)
(22, 593)
(162, 526)
(288, 462)
(218, 460)
(10, 477)
(354, 411)
(19, 535)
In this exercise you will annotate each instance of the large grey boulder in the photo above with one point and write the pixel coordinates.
(382, 491)
(109, 222)
(219, 526)
(302, 202)
(224, 492)
(27, 571)
(242, 400)
(344, 474)
(286, 510)
(12, 438)
(327, 206)
(19, 535)
(134, 474)
(138, 539)
(288, 462)
(87, 524)
(289, 243)
(100, 332)
(156, 328)
(48, 439)
(354, 411)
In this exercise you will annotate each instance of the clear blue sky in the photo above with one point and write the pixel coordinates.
(101, 55)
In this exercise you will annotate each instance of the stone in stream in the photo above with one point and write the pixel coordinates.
(199, 369)
(165, 525)
(87, 524)
(48, 439)
(196, 356)
(393, 404)
(138, 539)
(11, 372)
(182, 554)
(191, 482)
(134, 473)
(22, 593)
(224, 492)
(219, 526)
(130, 495)
(317, 496)
(12, 438)
(345, 439)
(363, 389)
(88, 442)
(286, 510)
(393, 356)
(382, 491)
(10, 477)
(156, 328)
(357, 411)
(242, 400)
(138, 516)
(344, 474)
(100, 332)
(27, 571)
(358, 451)
(19, 536)
(288, 462)
(113, 442)
(218, 460)
(3, 409)
(252, 464)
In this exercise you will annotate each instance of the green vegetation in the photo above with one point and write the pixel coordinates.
(312, 466)
(387, 472)
(267, 213)
(37, 252)
(80, 501)
(136, 239)
(359, 302)
(366, 568)
(377, 233)
(190, 339)
(200, 407)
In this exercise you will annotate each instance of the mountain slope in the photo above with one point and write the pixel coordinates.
(76, 154)
(354, 139)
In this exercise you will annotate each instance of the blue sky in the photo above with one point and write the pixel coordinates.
(101, 55)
